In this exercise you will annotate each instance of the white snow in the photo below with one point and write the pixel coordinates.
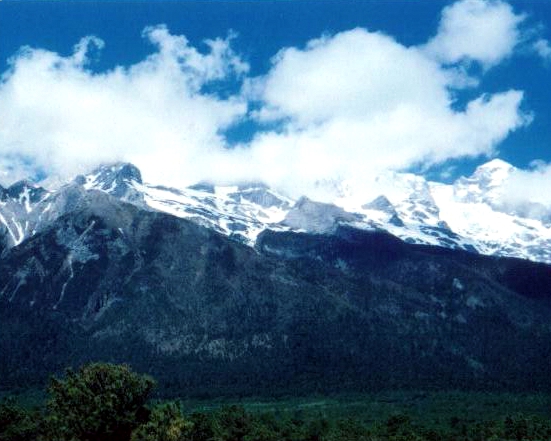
(69, 264)
(469, 207)
(493, 230)
(25, 198)
(20, 233)
(423, 207)
(3, 220)
(219, 210)
(91, 181)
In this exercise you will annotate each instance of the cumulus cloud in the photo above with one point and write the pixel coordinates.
(485, 31)
(543, 48)
(60, 117)
(345, 105)
(360, 102)
(528, 186)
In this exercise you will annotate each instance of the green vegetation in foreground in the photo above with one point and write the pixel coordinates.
(105, 402)
(422, 407)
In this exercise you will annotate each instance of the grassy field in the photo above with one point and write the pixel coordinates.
(432, 408)
(429, 408)
(392, 415)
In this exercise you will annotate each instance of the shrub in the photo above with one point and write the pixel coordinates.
(166, 423)
(17, 423)
(99, 402)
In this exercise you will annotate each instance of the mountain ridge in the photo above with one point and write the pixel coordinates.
(468, 214)
(354, 309)
(239, 290)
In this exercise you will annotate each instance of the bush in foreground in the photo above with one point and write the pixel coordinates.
(99, 402)
(166, 423)
(17, 423)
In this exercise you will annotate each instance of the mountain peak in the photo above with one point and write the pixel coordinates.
(380, 203)
(317, 217)
(495, 170)
(118, 179)
(485, 183)
(109, 176)
(118, 171)
(21, 184)
(204, 186)
(25, 186)
(494, 173)
(496, 164)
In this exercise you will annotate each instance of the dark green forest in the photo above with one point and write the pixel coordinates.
(108, 402)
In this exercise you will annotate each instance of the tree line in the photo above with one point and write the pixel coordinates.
(107, 402)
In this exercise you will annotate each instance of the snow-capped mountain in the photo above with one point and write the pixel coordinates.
(213, 283)
(17, 203)
(469, 214)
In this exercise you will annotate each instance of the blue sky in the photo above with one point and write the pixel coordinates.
(254, 100)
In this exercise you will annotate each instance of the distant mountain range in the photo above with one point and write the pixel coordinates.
(232, 290)
(469, 214)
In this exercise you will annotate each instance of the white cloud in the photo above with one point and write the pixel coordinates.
(63, 118)
(530, 185)
(359, 102)
(485, 31)
(352, 74)
(81, 50)
(345, 105)
(543, 48)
